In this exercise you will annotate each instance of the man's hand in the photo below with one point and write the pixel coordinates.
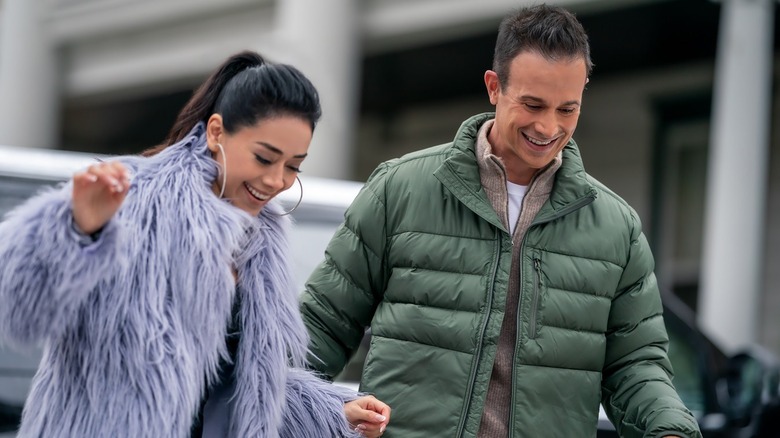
(368, 415)
(97, 194)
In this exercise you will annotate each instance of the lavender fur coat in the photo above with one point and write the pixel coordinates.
(133, 324)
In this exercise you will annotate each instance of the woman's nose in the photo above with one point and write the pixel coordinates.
(273, 178)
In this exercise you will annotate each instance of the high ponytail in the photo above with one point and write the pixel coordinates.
(201, 105)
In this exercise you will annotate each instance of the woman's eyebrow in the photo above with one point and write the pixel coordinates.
(276, 150)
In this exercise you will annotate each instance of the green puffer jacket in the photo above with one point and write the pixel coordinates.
(423, 259)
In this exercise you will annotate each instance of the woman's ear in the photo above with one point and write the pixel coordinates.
(214, 132)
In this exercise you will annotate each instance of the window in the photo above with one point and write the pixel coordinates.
(679, 188)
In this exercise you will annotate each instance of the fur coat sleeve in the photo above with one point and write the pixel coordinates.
(312, 404)
(47, 268)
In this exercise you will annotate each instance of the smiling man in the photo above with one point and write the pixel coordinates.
(508, 292)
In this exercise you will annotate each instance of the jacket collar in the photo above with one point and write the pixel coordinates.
(572, 188)
(459, 172)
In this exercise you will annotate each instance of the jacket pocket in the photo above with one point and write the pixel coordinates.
(533, 324)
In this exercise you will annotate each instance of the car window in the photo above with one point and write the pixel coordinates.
(312, 230)
(15, 190)
(688, 375)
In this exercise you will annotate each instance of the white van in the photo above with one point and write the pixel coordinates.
(25, 171)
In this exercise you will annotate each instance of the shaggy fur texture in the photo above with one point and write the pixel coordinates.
(133, 325)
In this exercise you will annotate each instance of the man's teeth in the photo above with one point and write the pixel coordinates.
(538, 142)
(255, 193)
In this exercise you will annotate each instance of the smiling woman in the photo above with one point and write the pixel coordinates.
(171, 299)
(27, 171)
(263, 160)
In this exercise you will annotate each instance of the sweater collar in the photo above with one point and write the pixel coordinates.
(493, 175)
(492, 171)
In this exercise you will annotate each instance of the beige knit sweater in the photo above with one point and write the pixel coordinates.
(492, 174)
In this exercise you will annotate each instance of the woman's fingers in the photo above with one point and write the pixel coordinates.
(98, 192)
(83, 178)
(112, 175)
(369, 415)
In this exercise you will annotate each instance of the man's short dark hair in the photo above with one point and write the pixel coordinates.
(551, 31)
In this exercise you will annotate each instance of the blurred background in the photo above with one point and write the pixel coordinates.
(677, 117)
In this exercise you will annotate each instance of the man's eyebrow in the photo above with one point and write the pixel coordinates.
(538, 100)
(276, 150)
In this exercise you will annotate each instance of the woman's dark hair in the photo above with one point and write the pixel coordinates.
(244, 90)
(550, 31)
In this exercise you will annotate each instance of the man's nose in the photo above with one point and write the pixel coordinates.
(547, 125)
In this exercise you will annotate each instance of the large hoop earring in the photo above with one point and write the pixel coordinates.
(224, 170)
(300, 198)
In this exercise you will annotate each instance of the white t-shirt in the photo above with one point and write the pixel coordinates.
(516, 193)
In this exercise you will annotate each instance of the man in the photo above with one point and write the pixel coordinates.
(508, 292)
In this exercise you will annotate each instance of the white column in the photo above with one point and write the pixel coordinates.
(321, 38)
(29, 91)
(732, 260)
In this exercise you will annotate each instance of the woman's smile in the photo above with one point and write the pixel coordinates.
(256, 194)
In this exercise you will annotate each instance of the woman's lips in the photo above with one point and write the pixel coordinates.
(256, 194)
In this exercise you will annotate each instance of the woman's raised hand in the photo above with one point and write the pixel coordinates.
(97, 194)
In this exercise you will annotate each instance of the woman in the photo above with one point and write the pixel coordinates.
(159, 284)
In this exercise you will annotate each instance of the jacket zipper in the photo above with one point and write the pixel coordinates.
(518, 331)
(483, 329)
(535, 300)
(537, 268)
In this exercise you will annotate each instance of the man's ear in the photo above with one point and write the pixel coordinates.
(493, 86)
(214, 132)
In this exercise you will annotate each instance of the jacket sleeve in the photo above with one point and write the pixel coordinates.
(47, 268)
(344, 290)
(315, 407)
(637, 392)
